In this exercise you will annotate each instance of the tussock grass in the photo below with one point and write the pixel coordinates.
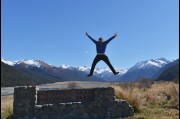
(173, 95)
(125, 91)
(159, 101)
(6, 107)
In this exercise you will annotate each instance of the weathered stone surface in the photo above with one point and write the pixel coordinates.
(101, 104)
(24, 102)
(65, 96)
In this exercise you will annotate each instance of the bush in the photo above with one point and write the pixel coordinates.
(127, 94)
(73, 85)
(144, 83)
(175, 94)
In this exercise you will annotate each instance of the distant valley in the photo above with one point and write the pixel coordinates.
(33, 72)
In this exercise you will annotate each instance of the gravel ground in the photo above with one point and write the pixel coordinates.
(60, 85)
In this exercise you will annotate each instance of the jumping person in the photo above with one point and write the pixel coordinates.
(100, 49)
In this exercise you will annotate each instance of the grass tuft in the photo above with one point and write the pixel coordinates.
(127, 94)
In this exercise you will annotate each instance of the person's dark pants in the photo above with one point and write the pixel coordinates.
(105, 59)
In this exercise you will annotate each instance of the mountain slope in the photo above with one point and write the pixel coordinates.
(65, 72)
(170, 72)
(11, 76)
(42, 70)
(162, 69)
(145, 69)
(104, 73)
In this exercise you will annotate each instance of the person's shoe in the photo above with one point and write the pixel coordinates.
(89, 75)
(116, 73)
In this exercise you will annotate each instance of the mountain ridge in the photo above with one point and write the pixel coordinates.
(11, 76)
(144, 69)
(151, 65)
(168, 72)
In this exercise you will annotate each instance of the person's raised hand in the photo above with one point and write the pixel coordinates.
(86, 33)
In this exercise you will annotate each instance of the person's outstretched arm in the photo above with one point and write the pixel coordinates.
(91, 38)
(107, 41)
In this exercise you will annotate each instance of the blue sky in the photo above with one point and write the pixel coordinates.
(54, 30)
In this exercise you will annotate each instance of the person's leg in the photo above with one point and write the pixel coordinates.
(106, 60)
(95, 61)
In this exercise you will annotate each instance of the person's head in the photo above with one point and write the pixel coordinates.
(100, 40)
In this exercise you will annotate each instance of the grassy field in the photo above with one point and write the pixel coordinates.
(6, 106)
(159, 100)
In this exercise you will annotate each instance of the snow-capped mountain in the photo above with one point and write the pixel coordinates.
(64, 72)
(12, 76)
(84, 68)
(141, 69)
(166, 67)
(150, 63)
(144, 69)
(169, 72)
(104, 73)
(35, 63)
(38, 65)
(7, 62)
(65, 66)
(32, 63)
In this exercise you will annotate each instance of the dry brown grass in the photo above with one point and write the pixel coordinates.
(173, 95)
(161, 101)
(6, 106)
(163, 94)
(125, 91)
